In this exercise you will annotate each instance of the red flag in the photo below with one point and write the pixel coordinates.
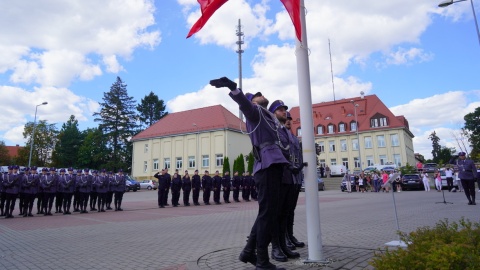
(293, 8)
(208, 7)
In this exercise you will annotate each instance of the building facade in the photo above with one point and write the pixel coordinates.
(189, 140)
(359, 132)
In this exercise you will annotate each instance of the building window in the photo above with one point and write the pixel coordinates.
(341, 127)
(145, 166)
(394, 140)
(383, 159)
(353, 126)
(166, 163)
(219, 160)
(179, 163)
(397, 159)
(331, 146)
(299, 132)
(383, 122)
(381, 141)
(370, 161)
(322, 162)
(368, 142)
(321, 146)
(343, 145)
(205, 161)
(378, 122)
(345, 162)
(145, 149)
(357, 162)
(354, 144)
(320, 129)
(191, 162)
(155, 164)
(333, 162)
(330, 129)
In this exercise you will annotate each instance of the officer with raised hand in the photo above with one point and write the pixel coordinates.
(162, 186)
(271, 156)
(467, 172)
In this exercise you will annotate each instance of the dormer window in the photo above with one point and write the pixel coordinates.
(378, 120)
(331, 129)
(341, 127)
(320, 129)
(353, 126)
(328, 118)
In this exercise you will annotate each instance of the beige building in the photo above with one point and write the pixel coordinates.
(189, 140)
(358, 129)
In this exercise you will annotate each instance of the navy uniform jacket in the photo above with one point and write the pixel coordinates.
(84, 183)
(109, 179)
(168, 177)
(59, 185)
(246, 181)
(118, 183)
(68, 183)
(11, 183)
(30, 183)
(217, 182)
(162, 181)
(186, 183)
(466, 169)
(237, 181)
(196, 183)
(226, 181)
(48, 183)
(2, 188)
(101, 183)
(176, 184)
(207, 181)
(297, 159)
(263, 126)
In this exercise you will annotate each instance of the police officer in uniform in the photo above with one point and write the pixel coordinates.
(93, 192)
(168, 177)
(67, 182)
(12, 186)
(21, 193)
(109, 196)
(40, 193)
(207, 183)
(217, 187)
(236, 185)
(49, 185)
(85, 185)
(101, 184)
(59, 194)
(119, 183)
(30, 187)
(186, 187)
(227, 185)
(467, 172)
(271, 156)
(3, 195)
(162, 186)
(246, 180)
(196, 186)
(176, 188)
(253, 189)
(77, 196)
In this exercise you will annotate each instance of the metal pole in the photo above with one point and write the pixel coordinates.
(355, 105)
(315, 252)
(197, 155)
(33, 133)
(240, 51)
(476, 22)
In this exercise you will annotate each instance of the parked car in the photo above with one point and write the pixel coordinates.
(343, 185)
(148, 184)
(338, 170)
(321, 184)
(131, 184)
(412, 181)
(430, 167)
(444, 180)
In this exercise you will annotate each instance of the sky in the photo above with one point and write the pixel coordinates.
(422, 61)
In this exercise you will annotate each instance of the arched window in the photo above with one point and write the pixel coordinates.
(341, 127)
(320, 129)
(353, 126)
(331, 128)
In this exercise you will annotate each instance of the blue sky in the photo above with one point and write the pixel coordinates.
(421, 60)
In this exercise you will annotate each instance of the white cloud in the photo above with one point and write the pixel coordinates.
(406, 56)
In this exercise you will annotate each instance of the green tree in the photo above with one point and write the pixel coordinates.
(251, 161)
(4, 155)
(240, 164)
(435, 145)
(151, 109)
(226, 165)
(472, 126)
(44, 142)
(117, 119)
(69, 142)
(93, 153)
(445, 155)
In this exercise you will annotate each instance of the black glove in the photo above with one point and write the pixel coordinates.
(224, 82)
(293, 169)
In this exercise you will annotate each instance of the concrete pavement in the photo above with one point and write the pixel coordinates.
(211, 237)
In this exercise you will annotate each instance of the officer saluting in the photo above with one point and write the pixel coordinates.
(271, 156)
(467, 172)
(162, 186)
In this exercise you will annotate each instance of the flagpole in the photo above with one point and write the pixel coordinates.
(314, 235)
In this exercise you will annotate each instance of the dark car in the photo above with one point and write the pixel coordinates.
(343, 186)
(412, 181)
(131, 184)
(430, 167)
(321, 184)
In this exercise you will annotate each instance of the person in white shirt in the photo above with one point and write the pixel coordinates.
(449, 176)
(426, 181)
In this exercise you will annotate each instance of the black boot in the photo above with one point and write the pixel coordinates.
(289, 243)
(262, 261)
(277, 253)
(288, 252)
(292, 238)
(248, 253)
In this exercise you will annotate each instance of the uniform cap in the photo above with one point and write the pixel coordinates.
(15, 167)
(44, 170)
(70, 169)
(462, 154)
(110, 172)
(103, 170)
(27, 169)
(62, 170)
(289, 116)
(196, 170)
(276, 105)
(86, 170)
(120, 170)
(79, 171)
(10, 167)
(250, 96)
(206, 170)
(33, 168)
(52, 169)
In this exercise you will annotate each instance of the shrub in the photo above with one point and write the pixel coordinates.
(445, 246)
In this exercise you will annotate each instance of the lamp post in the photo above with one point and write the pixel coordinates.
(355, 105)
(449, 2)
(197, 155)
(33, 133)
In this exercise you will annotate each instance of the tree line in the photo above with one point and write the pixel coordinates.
(106, 146)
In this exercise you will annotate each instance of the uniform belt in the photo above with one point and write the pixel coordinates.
(265, 144)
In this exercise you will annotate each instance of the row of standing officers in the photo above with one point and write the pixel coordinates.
(96, 190)
(208, 184)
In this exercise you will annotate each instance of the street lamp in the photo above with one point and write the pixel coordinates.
(197, 155)
(449, 2)
(33, 132)
(355, 105)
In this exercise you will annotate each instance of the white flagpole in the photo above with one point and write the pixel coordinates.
(314, 235)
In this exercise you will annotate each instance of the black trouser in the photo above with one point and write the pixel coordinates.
(28, 203)
(246, 194)
(195, 195)
(48, 202)
(40, 196)
(469, 188)
(253, 193)
(67, 201)
(161, 197)
(21, 199)
(58, 201)
(93, 199)
(109, 198)
(175, 196)
(268, 183)
(236, 192)
(206, 195)
(165, 199)
(450, 183)
(287, 193)
(77, 197)
(3, 198)
(118, 199)
(216, 195)
(102, 198)
(84, 200)
(186, 196)
(293, 204)
(226, 194)
(10, 203)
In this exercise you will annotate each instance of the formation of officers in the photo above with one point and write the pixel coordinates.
(52, 188)
(208, 184)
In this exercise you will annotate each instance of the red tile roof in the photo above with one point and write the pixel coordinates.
(208, 118)
(13, 150)
(342, 111)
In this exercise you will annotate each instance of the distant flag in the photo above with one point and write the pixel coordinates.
(208, 7)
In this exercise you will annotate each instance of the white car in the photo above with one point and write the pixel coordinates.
(148, 184)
